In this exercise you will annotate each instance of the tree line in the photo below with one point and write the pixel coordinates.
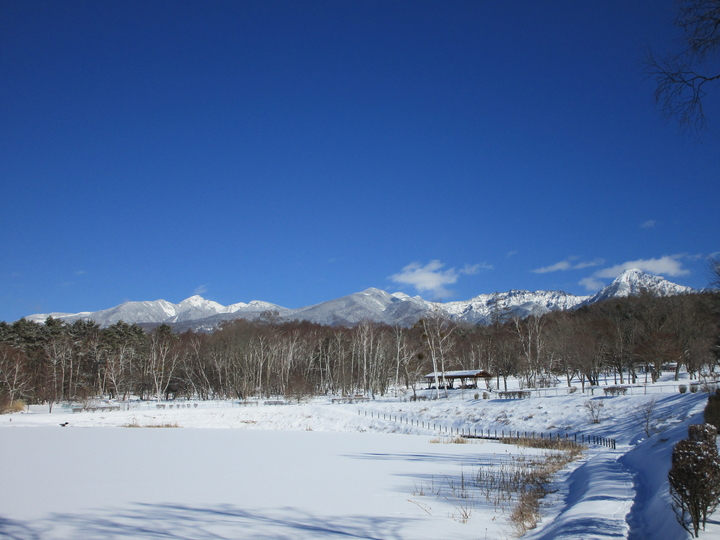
(625, 339)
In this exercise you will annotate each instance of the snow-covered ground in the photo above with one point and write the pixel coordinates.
(381, 469)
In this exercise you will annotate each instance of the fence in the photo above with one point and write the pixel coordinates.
(635, 390)
(152, 404)
(482, 433)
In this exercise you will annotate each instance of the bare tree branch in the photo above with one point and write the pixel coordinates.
(682, 77)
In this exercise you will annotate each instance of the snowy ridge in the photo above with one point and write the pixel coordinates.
(486, 307)
(373, 304)
(192, 309)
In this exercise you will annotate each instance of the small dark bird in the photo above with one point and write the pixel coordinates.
(64, 424)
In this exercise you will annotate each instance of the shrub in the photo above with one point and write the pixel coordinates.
(135, 424)
(532, 487)
(16, 406)
(615, 390)
(712, 410)
(477, 396)
(517, 394)
(682, 388)
(486, 395)
(526, 514)
(572, 389)
(448, 440)
(594, 410)
(703, 433)
(694, 478)
(566, 445)
(694, 387)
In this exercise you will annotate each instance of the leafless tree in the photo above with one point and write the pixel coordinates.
(162, 359)
(437, 335)
(645, 415)
(531, 336)
(402, 354)
(594, 409)
(505, 348)
(714, 272)
(565, 334)
(683, 77)
(14, 378)
(58, 351)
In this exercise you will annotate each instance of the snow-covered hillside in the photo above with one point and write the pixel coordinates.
(372, 304)
(326, 470)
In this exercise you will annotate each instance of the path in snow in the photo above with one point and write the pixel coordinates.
(596, 497)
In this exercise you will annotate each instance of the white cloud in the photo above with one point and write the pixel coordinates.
(470, 269)
(589, 264)
(568, 264)
(431, 277)
(591, 284)
(562, 265)
(201, 289)
(427, 278)
(670, 265)
(649, 224)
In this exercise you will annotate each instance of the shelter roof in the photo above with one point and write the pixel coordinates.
(463, 374)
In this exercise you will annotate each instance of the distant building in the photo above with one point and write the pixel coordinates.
(468, 378)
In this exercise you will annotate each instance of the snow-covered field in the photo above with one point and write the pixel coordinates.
(381, 469)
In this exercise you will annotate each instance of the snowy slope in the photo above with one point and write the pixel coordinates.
(323, 470)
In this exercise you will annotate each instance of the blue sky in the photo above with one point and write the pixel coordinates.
(295, 152)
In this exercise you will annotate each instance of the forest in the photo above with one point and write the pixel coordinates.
(628, 339)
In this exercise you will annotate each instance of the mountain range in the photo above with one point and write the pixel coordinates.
(203, 315)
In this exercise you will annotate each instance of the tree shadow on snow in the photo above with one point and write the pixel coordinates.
(469, 463)
(182, 522)
(585, 528)
(18, 530)
(440, 459)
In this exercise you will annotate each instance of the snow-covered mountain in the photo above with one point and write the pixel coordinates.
(634, 282)
(488, 307)
(192, 309)
(372, 304)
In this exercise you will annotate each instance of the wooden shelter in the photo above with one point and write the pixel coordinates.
(448, 378)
